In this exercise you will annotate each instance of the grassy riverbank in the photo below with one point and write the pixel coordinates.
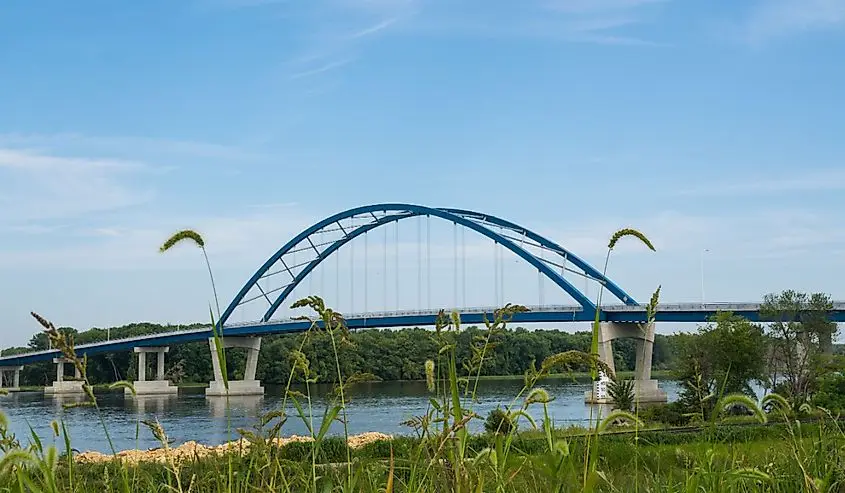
(780, 457)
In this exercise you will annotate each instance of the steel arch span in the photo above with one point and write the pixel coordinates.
(345, 226)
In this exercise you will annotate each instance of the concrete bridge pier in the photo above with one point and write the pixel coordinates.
(14, 380)
(249, 385)
(60, 386)
(152, 387)
(646, 389)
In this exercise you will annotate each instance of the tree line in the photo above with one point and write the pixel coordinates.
(397, 354)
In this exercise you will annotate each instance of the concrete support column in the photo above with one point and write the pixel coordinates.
(157, 385)
(249, 385)
(645, 388)
(10, 378)
(645, 348)
(60, 386)
(251, 363)
(606, 336)
(142, 366)
(216, 369)
(160, 365)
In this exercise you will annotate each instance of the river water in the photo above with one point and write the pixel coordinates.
(190, 415)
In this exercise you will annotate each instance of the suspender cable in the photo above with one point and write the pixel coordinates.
(540, 281)
(495, 273)
(397, 263)
(502, 275)
(351, 273)
(428, 258)
(419, 262)
(366, 258)
(385, 269)
(337, 278)
(322, 271)
(293, 291)
(586, 287)
(464, 267)
(455, 266)
(310, 283)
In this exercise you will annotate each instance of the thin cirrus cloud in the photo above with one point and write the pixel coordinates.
(816, 181)
(325, 67)
(337, 29)
(587, 6)
(146, 146)
(598, 22)
(772, 19)
(35, 185)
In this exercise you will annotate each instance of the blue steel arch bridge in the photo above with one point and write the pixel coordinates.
(273, 286)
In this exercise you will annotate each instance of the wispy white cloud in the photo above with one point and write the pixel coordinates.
(236, 4)
(133, 245)
(322, 68)
(600, 21)
(80, 143)
(809, 181)
(588, 6)
(40, 186)
(381, 25)
(771, 19)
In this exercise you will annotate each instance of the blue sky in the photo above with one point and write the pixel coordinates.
(708, 125)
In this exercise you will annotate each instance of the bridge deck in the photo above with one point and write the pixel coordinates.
(667, 312)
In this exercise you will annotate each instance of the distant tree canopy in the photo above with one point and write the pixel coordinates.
(389, 354)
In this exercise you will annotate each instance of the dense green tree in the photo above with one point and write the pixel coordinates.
(722, 357)
(800, 336)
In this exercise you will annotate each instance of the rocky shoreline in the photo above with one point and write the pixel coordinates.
(192, 450)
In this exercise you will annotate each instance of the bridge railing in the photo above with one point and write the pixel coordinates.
(112, 341)
(412, 313)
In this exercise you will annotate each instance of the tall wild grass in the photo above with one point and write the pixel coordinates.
(521, 450)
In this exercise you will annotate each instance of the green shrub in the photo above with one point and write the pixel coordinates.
(622, 393)
(831, 392)
(498, 422)
(670, 414)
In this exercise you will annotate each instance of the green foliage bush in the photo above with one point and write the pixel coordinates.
(831, 392)
(671, 414)
(498, 422)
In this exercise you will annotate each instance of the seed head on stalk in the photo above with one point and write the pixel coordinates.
(196, 239)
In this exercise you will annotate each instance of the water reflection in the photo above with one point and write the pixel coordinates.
(191, 415)
(240, 405)
(150, 404)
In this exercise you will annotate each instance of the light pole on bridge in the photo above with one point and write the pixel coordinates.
(702, 275)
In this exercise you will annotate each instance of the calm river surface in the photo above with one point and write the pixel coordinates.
(193, 416)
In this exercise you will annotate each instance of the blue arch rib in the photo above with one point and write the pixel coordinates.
(589, 269)
(406, 210)
(412, 211)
